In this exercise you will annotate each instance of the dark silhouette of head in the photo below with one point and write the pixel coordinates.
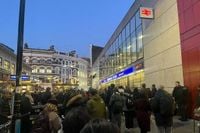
(92, 91)
(100, 126)
(48, 89)
(153, 86)
(143, 85)
(75, 120)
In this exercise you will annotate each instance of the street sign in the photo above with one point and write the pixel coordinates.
(146, 12)
(23, 77)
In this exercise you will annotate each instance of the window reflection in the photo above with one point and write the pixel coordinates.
(125, 49)
(139, 42)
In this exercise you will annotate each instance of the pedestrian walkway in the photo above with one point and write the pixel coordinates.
(178, 127)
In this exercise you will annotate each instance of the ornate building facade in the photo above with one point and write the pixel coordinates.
(8, 67)
(57, 69)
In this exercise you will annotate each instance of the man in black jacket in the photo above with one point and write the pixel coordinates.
(180, 94)
(163, 107)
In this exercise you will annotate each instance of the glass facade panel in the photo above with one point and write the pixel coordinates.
(133, 24)
(139, 42)
(124, 61)
(133, 47)
(124, 50)
(129, 56)
(128, 30)
(123, 34)
(138, 21)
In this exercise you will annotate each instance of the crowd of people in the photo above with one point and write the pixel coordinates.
(98, 111)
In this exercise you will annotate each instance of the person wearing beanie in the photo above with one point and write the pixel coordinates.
(96, 106)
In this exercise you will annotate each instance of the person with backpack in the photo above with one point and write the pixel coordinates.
(116, 104)
(163, 108)
(129, 109)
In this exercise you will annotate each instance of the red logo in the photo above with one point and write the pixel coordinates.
(146, 12)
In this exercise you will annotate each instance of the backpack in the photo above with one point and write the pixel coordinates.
(129, 103)
(117, 104)
(41, 124)
(166, 105)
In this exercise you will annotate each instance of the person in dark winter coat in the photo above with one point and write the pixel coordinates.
(108, 96)
(145, 90)
(163, 121)
(180, 94)
(4, 107)
(184, 104)
(153, 90)
(136, 94)
(100, 126)
(129, 110)
(116, 104)
(25, 110)
(143, 109)
(46, 96)
(77, 115)
(177, 94)
(96, 106)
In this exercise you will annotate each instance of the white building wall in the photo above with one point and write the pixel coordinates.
(162, 52)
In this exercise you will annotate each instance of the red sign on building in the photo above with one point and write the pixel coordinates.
(146, 12)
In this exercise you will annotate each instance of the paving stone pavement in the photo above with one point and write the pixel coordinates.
(178, 127)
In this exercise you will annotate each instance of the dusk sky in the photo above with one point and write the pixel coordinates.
(67, 24)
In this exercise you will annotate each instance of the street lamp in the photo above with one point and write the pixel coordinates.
(19, 56)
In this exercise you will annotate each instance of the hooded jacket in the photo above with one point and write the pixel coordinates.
(96, 107)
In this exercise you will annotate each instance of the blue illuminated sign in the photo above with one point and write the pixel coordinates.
(123, 73)
(23, 77)
(119, 75)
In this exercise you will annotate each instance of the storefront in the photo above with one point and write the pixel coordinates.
(132, 76)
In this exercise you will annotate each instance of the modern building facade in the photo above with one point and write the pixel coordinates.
(56, 69)
(165, 48)
(122, 60)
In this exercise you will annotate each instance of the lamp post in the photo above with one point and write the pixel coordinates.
(19, 56)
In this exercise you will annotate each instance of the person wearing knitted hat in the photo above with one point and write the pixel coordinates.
(76, 112)
(96, 106)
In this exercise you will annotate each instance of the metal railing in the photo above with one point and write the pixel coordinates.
(5, 128)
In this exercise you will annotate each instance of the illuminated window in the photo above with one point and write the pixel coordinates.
(139, 42)
(12, 68)
(49, 70)
(34, 69)
(6, 65)
(42, 70)
(0, 61)
(27, 60)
